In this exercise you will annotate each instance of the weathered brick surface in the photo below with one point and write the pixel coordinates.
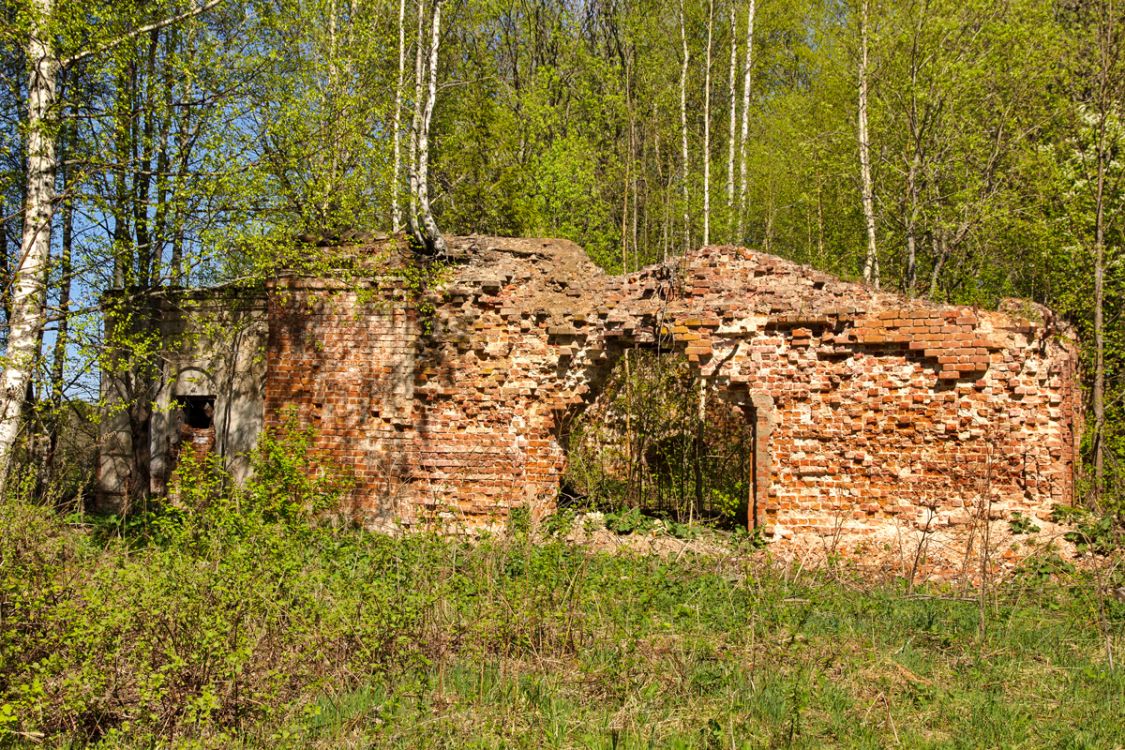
(873, 411)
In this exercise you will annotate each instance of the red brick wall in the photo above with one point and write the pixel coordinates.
(873, 410)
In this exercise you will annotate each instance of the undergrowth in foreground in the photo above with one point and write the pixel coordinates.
(234, 621)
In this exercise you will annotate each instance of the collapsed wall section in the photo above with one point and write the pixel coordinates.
(884, 413)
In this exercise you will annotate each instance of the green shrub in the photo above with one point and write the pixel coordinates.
(206, 616)
(1021, 524)
(290, 482)
(628, 521)
(1093, 533)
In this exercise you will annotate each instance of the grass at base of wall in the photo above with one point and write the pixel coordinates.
(219, 629)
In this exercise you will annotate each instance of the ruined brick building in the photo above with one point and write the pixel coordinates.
(870, 411)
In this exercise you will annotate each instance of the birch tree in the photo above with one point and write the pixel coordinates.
(707, 126)
(871, 261)
(30, 279)
(432, 235)
(743, 184)
(732, 106)
(416, 128)
(684, 126)
(396, 127)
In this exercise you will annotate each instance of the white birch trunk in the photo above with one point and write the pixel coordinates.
(683, 127)
(743, 187)
(415, 129)
(29, 285)
(733, 105)
(707, 127)
(434, 240)
(396, 208)
(871, 263)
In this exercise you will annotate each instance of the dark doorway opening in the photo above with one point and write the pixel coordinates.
(660, 439)
(198, 412)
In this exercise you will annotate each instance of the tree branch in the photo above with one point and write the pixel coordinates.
(139, 31)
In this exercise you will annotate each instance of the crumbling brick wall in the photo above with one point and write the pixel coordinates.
(870, 409)
(872, 413)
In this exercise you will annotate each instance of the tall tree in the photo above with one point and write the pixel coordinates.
(707, 125)
(743, 181)
(396, 126)
(732, 111)
(871, 261)
(29, 283)
(684, 126)
(431, 235)
(1106, 108)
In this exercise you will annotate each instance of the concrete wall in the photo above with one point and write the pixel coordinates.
(208, 343)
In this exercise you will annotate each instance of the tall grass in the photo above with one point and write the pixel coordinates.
(235, 620)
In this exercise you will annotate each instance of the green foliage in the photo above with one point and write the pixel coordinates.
(560, 523)
(1021, 524)
(1094, 533)
(685, 531)
(1042, 567)
(519, 520)
(290, 483)
(273, 634)
(727, 503)
(201, 619)
(628, 521)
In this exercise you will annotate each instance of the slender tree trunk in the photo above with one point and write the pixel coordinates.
(819, 217)
(62, 334)
(163, 163)
(683, 127)
(912, 228)
(30, 281)
(416, 128)
(176, 269)
(941, 254)
(633, 140)
(396, 209)
(434, 240)
(5, 260)
(334, 117)
(148, 262)
(871, 263)
(628, 174)
(767, 236)
(1105, 39)
(732, 105)
(1099, 325)
(707, 127)
(743, 185)
(913, 172)
(123, 145)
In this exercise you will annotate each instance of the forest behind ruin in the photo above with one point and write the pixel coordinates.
(959, 151)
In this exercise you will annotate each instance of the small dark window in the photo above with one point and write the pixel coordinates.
(198, 411)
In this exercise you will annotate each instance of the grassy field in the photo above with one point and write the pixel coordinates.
(231, 627)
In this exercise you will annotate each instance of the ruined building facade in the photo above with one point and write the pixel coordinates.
(451, 403)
